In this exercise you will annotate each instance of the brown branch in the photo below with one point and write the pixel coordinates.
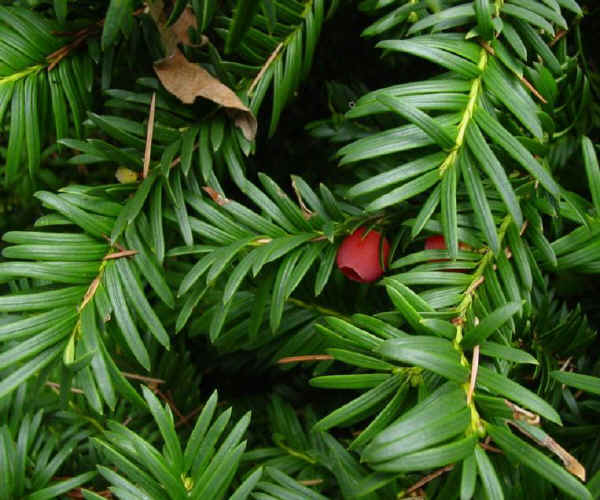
(525, 82)
(491, 448)
(65, 50)
(77, 493)
(80, 37)
(558, 36)
(143, 378)
(264, 68)
(56, 387)
(532, 89)
(429, 477)
(475, 285)
(119, 255)
(115, 244)
(308, 357)
(186, 418)
(177, 160)
(168, 398)
(487, 47)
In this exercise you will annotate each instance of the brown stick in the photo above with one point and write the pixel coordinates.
(311, 482)
(308, 357)
(135, 376)
(264, 68)
(80, 37)
(119, 255)
(558, 36)
(186, 418)
(474, 368)
(429, 477)
(532, 89)
(491, 448)
(475, 285)
(525, 82)
(56, 386)
(149, 135)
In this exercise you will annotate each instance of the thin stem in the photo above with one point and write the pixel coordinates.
(315, 307)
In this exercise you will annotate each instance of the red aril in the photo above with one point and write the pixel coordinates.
(359, 258)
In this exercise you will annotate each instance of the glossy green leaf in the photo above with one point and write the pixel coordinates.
(487, 473)
(586, 383)
(590, 161)
(479, 200)
(500, 351)
(499, 384)
(432, 128)
(513, 148)
(138, 299)
(468, 478)
(123, 316)
(367, 402)
(115, 18)
(490, 324)
(431, 458)
(434, 354)
(495, 171)
(429, 433)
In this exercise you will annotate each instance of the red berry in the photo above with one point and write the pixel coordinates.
(438, 242)
(359, 258)
(435, 243)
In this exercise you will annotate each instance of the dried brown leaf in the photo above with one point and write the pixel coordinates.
(178, 32)
(569, 461)
(181, 27)
(306, 212)
(167, 35)
(217, 197)
(522, 414)
(188, 81)
(89, 294)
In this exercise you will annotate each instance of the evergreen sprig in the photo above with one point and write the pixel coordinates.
(470, 372)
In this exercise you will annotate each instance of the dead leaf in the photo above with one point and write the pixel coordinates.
(188, 80)
(521, 414)
(306, 212)
(178, 32)
(181, 27)
(569, 461)
(217, 197)
(89, 294)
(167, 35)
(125, 175)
